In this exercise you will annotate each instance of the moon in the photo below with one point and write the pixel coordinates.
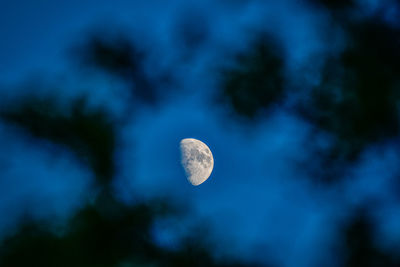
(197, 160)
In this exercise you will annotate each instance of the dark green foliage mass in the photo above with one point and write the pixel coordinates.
(356, 103)
(360, 247)
(257, 81)
(77, 128)
(357, 100)
(119, 236)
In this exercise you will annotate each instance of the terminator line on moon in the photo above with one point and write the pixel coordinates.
(197, 160)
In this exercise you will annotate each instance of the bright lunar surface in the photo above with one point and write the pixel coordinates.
(197, 160)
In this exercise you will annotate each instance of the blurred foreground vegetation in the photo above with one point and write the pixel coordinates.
(356, 102)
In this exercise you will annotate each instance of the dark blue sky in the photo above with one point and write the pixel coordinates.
(260, 202)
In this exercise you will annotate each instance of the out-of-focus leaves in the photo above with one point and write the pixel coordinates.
(357, 100)
(257, 81)
(95, 237)
(93, 240)
(361, 250)
(88, 133)
(119, 56)
(334, 4)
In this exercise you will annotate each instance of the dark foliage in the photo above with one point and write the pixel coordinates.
(119, 56)
(334, 4)
(119, 236)
(88, 133)
(257, 81)
(357, 99)
(361, 248)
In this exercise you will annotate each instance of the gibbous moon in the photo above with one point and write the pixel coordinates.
(197, 160)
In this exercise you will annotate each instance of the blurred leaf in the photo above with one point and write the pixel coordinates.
(88, 133)
(361, 250)
(335, 4)
(358, 98)
(118, 55)
(257, 81)
(98, 238)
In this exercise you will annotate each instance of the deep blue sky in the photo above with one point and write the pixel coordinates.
(259, 204)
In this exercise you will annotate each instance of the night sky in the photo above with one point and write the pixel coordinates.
(298, 101)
